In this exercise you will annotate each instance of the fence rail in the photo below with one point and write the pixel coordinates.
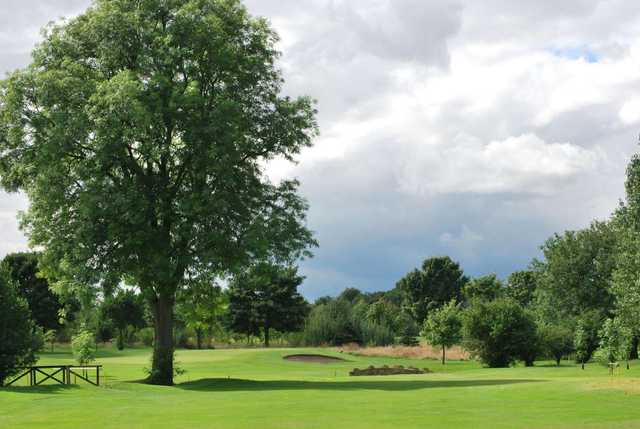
(59, 373)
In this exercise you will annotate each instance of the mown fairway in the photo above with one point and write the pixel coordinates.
(257, 389)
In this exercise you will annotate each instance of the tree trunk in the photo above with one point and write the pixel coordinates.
(634, 348)
(443, 351)
(558, 360)
(199, 338)
(266, 335)
(162, 361)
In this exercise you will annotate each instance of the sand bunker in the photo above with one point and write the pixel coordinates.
(314, 358)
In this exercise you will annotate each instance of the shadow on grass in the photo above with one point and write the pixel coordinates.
(42, 389)
(237, 385)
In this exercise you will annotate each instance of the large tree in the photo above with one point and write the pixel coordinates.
(140, 134)
(44, 305)
(438, 281)
(266, 297)
(575, 276)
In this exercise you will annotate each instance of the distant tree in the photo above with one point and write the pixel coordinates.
(323, 300)
(18, 342)
(351, 294)
(49, 337)
(615, 342)
(438, 281)
(521, 286)
(139, 133)
(266, 297)
(408, 329)
(331, 323)
(486, 288)
(557, 340)
(125, 309)
(44, 305)
(499, 332)
(576, 273)
(586, 338)
(201, 308)
(443, 327)
(382, 312)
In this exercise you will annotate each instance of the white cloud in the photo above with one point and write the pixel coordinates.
(630, 112)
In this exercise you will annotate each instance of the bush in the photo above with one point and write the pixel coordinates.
(500, 332)
(408, 329)
(17, 339)
(83, 346)
(331, 323)
(373, 334)
(145, 336)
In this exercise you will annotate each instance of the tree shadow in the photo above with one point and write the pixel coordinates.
(42, 389)
(239, 385)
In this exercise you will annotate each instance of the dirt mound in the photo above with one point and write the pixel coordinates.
(386, 370)
(313, 358)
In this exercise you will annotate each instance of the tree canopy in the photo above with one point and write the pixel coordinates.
(266, 297)
(438, 281)
(140, 133)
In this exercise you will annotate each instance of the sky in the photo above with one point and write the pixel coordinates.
(462, 128)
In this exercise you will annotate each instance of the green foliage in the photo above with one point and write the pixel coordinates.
(521, 287)
(499, 332)
(556, 340)
(139, 133)
(331, 324)
(408, 329)
(83, 345)
(438, 281)
(124, 310)
(486, 288)
(18, 342)
(266, 297)
(145, 336)
(22, 269)
(201, 307)
(586, 338)
(615, 342)
(443, 327)
(576, 274)
(49, 337)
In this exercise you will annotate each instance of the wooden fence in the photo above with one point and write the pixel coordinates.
(60, 373)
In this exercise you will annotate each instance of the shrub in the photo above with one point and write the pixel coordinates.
(145, 336)
(408, 329)
(499, 332)
(83, 345)
(17, 339)
(374, 334)
(331, 323)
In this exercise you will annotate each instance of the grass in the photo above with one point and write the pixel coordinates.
(258, 389)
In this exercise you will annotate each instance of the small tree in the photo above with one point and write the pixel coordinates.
(200, 307)
(615, 342)
(125, 309)
(557, 341)
(408, 329)
(443, 327)
(83, 345)
(50, 337)
(499, 332)
(266, 297)
(586, 339)
(18, 344)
